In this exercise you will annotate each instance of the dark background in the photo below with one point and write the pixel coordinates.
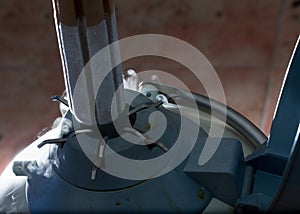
(249, 44)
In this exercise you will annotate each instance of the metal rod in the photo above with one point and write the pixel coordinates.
(83, 28)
